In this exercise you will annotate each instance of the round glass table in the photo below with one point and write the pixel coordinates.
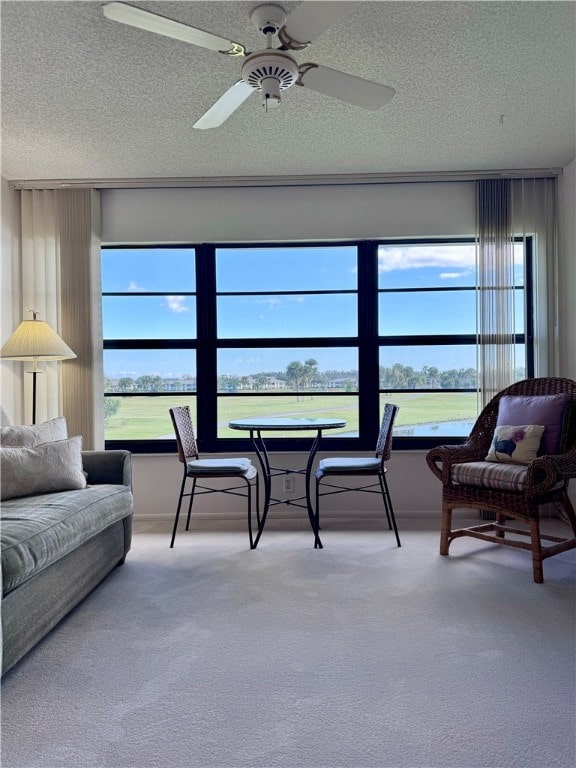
(256, 428)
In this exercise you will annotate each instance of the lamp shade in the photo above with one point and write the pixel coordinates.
(36, 340)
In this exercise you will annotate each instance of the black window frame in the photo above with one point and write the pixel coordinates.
(368, 343)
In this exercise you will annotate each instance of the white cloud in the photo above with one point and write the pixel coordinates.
(417, 257)
(271, 302)
(176, 304)
(450, 275)
(134, 286)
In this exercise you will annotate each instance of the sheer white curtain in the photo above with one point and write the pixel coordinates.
(41, 292)
(509, 215)
(61, 280)
(495, 275)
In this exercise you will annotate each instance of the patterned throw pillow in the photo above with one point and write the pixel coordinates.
(515, 444)
(24, 436)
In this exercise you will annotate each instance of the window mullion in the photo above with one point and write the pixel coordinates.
(368, 369)
(206, 413)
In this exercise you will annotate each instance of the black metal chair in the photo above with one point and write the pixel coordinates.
(198, 469)
(336, 469)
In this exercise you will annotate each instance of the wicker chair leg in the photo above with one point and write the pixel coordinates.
(500, 520)
(571, 515)
(536, 551)
(446, 529)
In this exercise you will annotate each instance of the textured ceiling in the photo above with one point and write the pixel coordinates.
(480, 86)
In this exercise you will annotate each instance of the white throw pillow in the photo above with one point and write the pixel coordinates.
(47, 468)
(515, 445)
(25, 436)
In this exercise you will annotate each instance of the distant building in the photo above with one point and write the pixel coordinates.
(273, 383)
(180, 385)
(343, 382)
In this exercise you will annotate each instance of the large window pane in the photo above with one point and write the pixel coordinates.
(264, 297)
(423, 313)
(149, 370)
(142, 417)
(149, 317)
(427, 266)
(315, 406)
(435, 265)
(433, 367)
(445, 312)
(288, 316)
(301, 268)
(434, 414)
(292, 369)
(148, 269)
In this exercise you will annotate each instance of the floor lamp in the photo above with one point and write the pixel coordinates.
(35, 341)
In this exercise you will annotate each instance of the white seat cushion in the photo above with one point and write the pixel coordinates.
(217, 466)
(346, 464)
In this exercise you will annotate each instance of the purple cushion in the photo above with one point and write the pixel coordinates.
(547, 410)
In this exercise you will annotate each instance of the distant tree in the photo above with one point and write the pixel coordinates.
(310, 371)
(295, 376)
(125, 384)
(150, 383)
(260, 381)
(111, 405)
(301, 376)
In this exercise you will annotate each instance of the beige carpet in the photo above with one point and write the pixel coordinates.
(361, 655)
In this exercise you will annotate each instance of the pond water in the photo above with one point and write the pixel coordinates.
(436, 429)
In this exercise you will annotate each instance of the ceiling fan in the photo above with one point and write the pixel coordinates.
(270, 70)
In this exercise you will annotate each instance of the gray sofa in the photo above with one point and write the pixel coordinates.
(56, 547)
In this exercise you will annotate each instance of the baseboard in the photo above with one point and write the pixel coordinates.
(291, 515)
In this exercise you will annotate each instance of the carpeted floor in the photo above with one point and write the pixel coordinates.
(360, 655)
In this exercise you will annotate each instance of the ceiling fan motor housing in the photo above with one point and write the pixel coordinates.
(270, 72)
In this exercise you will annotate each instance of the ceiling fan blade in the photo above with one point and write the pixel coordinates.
(225, 106)
(152, 22)
(348, 88)
(309, 20)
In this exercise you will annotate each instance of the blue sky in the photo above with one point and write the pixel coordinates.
(173, 315)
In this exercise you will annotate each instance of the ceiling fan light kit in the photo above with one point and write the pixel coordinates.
(270, 70)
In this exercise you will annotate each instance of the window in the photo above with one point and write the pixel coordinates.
(427, 331)
(149, 317)
(292, 329)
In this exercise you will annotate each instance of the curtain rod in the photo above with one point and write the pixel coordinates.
(281, 181)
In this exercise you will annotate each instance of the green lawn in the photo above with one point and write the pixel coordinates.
(147, 418)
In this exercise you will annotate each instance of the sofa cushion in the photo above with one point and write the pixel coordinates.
(25, 436)
(37, 531)
(548, 410)
(46, 468)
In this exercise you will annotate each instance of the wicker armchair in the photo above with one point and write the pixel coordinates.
(510, 490)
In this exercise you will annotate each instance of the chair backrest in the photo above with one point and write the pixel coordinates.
(184, 429)
(384, 444)
(483, 429)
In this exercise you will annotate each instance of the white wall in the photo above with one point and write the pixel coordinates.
(414, 489)
(251, 214)
(567, 271)
(262, 213)
(279, 213)
(567, 279)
